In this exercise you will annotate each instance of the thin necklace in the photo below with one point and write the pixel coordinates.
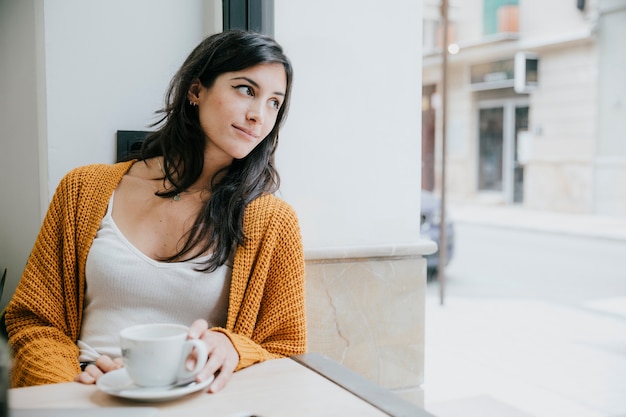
(176, 196)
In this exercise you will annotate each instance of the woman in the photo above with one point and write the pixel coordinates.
(188, 232)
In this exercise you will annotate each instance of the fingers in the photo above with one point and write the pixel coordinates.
(90, 375)
(93, 372)
(222, 361)
(85, 377)
(105, 364)
(223, 375)
(198, 328)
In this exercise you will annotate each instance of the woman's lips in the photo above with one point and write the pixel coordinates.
(247, 132)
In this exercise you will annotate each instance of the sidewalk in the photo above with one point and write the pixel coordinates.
(521, 358)
(517, 355)
(602, 227)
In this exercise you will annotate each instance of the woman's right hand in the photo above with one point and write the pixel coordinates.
(94, 371)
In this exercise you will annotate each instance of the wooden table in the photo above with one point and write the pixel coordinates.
(305, 385)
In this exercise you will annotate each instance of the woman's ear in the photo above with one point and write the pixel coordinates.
(193, 94)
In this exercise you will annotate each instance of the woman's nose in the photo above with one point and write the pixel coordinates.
(255, 112)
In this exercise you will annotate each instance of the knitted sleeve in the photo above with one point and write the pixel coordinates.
(271, 320)
(42, 344)
(44, 315)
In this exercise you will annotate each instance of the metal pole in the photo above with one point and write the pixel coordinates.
(441, 276)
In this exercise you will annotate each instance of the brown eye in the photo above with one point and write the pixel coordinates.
(275, 104)
(244, 89)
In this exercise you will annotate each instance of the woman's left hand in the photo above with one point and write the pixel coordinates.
(95, 370)
(223, 358)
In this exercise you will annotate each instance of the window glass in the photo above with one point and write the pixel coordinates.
(490, 149)
(490, 14)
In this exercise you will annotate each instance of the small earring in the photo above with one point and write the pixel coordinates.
(193, 103)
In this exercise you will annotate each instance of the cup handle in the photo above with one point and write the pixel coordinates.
(203, 354)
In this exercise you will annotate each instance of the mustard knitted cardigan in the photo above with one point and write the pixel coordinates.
(266, 313)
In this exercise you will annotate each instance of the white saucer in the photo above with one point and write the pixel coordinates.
(118, 383)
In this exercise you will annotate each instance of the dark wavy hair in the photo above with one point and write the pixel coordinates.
(180, 140)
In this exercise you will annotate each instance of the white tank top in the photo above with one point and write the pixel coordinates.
(126, 287)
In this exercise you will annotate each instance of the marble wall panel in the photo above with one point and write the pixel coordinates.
(368, 314)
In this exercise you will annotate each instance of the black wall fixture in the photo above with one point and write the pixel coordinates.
(129, 141)
(254, 15)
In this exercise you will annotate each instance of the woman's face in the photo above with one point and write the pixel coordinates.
(239, 110)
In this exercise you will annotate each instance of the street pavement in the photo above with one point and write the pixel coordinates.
(514, 217)
(508, 355)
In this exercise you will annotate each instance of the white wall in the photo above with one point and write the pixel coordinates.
(19, 162)
(350, 152)
(108, 64)
(73, 73)
(349, 155)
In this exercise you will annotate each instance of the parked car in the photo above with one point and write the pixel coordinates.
(430, 220)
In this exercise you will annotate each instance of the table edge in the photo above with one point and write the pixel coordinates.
(368, 391)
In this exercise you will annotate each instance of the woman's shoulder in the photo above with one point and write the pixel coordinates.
(269, 212)
(96, 172)
(89, 179)
(268, 217)
(271, 205)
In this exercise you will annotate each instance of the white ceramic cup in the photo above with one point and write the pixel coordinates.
(155, 354)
